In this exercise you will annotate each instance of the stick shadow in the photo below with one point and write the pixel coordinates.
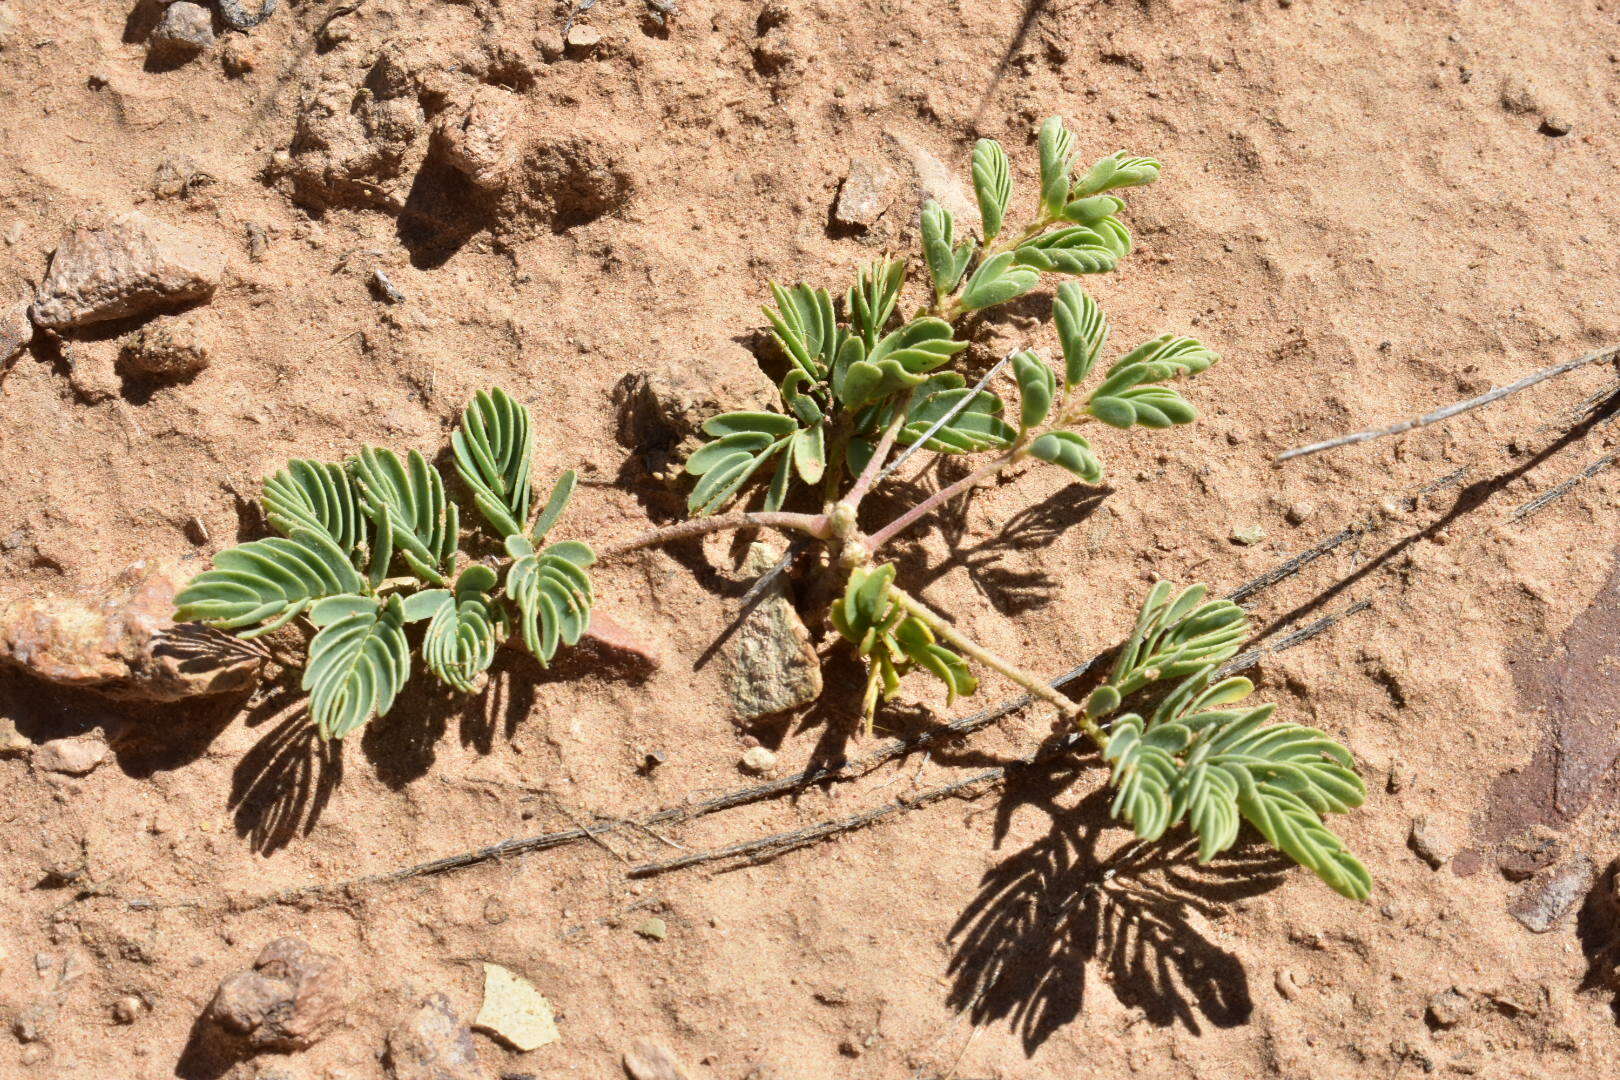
(1046, 915)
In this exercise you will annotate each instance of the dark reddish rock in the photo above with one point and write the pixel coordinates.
(293, 997)
(433, 1043)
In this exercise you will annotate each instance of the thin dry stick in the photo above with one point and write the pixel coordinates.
(1609, 353)
(849, 769)
(1556, 493)
(768, 847)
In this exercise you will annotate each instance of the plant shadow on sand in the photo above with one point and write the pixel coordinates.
(1047, 913)
(281, 787)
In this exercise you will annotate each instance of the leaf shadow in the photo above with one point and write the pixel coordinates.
(1011, 590)
(1047, 915)
(283, 784)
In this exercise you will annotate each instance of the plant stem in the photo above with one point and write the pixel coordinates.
(814, 524)
(936, 500)
(1037, 686)
(874, 465)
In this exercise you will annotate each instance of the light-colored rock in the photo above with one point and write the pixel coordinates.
(866, 192)
(171, 348)
(76, 756)
(758, 760)
(15, 330)
(12, 742)
(653, 927)
(478, 136)
(1248, 535)
(582, 40)
(515, 1011)
(133, 266)
(185, 30)
(650, 1060)
(433, 1043)
(293, 998)
(773, 665)
(1431, 843)
(1546, 900)
(1447, 1008)
(126, 646)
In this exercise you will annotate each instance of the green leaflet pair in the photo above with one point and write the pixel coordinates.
(343, 528)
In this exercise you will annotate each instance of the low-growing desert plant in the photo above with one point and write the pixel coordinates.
(861, 383)
(345, 526)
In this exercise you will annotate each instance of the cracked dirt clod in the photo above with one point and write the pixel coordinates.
(132, 266)
(478, 136)
(293, 998)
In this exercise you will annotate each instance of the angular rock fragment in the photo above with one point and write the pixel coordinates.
(293, 997)
(174, 348)
(514, 1011)
(133, 266)
(773, 664)
(865, 193)
(77, 756)
(1545, 901)
(650, 1060)
(185, 30)
(15, 330)
(479, 138)
(127, 646)
(432, 1043)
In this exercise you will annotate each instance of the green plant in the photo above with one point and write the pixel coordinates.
(861, 382)
(345, 526)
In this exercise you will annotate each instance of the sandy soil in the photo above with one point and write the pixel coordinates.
(1366, 207)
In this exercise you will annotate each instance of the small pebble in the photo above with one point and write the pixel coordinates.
(1447, 1008)
(759, 760)
(1430, 843)
(386, 288)
(582, 40)
(653, 927)
(1248, 535)
(126, 1010)
(1300, 512)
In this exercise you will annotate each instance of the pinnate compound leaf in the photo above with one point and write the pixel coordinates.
(1168, 356)
(493, 450)
(1057, 157)
(893, 641)
(1117, 170)
(1077, 249)
(978, 426)
(992, 184)
(552, 592)
(1071, 451)
(1149, 406)
(1177, 635)
(946, 259)
(410, 494)
(465, 628)
(357, 664)
(268, 582)
(900, 361)
(1036, 388)
(871, 301)
(998, 280)
(1082, 330)
(315, 495)
(804, 325)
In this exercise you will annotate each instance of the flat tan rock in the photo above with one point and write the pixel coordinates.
(132, 266)
(514, 1011)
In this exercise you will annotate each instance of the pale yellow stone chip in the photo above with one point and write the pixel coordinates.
(515, 1011)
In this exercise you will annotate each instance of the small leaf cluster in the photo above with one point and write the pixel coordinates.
(854, 364)
(1200, 757)
(892, 640)
(346, 526)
